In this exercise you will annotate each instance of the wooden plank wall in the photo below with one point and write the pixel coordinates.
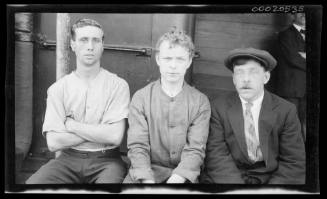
(217, 34)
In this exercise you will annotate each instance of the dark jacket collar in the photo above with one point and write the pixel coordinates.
(296, 33)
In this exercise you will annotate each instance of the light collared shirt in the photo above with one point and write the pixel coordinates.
(255, 110)
(298, 27)
(104, 101)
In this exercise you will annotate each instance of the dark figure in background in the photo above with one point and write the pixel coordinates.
(291, 69)
(85, 117)
(254, 135)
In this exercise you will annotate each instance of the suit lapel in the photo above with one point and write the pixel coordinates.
(298, 35)
(267, 119)
(235, 116)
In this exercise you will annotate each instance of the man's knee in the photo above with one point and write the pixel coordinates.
(33, 179)
(111, 177)
(51, 173)
(41, 177)
(113, 173)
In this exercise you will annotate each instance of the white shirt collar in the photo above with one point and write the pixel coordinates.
(256, 102)
(298, 28)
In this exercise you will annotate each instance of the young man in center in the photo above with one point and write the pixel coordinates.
(168, 119)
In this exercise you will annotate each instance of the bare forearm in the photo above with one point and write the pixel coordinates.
(99, 133)
(58, 141)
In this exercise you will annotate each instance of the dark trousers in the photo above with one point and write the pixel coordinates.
(74, 167)
(301, 106)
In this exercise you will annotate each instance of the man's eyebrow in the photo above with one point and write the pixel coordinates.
(238, 68)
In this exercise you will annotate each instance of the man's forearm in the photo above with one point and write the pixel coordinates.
(99, 133)
(58, 141)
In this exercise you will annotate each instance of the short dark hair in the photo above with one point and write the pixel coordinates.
(177, 37)
(241, 60)
(82, 23)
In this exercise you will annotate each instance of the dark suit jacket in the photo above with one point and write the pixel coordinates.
(280, 141)
(291, 68)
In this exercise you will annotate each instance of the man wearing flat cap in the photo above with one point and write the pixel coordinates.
(255, 136)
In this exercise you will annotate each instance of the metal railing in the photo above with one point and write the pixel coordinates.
(141, 51)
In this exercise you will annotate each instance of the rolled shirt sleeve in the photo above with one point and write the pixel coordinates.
(55, 114)
(117, 107)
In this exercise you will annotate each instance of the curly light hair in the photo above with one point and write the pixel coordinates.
(177, 37)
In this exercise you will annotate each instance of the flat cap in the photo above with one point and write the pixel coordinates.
(261, 55)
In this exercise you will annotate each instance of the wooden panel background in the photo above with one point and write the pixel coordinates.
(217, 34)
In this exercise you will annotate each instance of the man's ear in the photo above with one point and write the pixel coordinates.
(189, 64)
(157, 58)
(267, 77)
(72, 45)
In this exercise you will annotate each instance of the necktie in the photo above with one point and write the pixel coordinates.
(252, 141)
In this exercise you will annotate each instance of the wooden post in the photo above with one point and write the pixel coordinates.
(62, 48)
(23, 85)
(63, 43)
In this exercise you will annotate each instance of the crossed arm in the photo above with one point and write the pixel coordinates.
(80, 132)
(63, 131)
(288, 49)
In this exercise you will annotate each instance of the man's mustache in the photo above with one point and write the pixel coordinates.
(246, 87)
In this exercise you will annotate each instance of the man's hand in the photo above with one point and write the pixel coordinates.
(147, 181)
(252, 180)
(176, 179)
(303, 54)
